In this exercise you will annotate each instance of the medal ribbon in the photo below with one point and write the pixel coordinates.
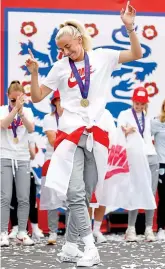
(15, 123)
(57, 117)
(141, 130)
(84, 88)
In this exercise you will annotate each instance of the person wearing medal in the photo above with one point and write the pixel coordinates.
(16, 123)
(50, 126)
(81, 147)
(136, 125)
(33, 212)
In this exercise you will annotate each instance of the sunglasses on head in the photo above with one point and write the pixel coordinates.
(15, 81)
(13, 100)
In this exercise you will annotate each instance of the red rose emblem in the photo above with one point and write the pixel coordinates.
(28, 28)
(91, 29)
(27, 86)
(149, 32)
(151, 88)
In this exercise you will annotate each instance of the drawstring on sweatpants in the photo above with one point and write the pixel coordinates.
(14, 164)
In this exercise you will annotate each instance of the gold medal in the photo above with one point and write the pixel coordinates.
(15, 140)
(84, 102)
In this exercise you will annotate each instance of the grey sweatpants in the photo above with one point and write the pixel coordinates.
(82, 183)
(22, 183)
(154, 167)
(53, 220)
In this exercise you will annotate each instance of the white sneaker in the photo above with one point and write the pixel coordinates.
(37, 234)
(52, 239)
(36, 230)
(4, 239)
(91, 257)
(70, 253)
(149, 235)
(130, 235)
(161, 234)
(13, 233)
(24, 239)
(99, 237)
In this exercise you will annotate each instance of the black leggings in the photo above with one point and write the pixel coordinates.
(33, 213)
(161, 203)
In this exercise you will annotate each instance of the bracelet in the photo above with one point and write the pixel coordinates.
(130, 31)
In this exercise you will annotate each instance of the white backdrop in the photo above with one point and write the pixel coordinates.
(45, 24)
(37, 30)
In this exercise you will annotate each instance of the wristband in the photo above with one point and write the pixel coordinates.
(130, 31)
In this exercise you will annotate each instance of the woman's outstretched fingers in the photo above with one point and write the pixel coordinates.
(31, 54)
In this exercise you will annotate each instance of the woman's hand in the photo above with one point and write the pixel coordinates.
(19, 102)
(128, 16)
(128, 130)
(31, 63)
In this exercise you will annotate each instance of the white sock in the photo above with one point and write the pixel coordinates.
(131, 227)
(89, 240)
(96, 226)
(34, 227)
(148, 227)
(15, 227)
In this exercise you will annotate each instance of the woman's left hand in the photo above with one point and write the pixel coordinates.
(128, 130)
(20, 111)
(128, 16)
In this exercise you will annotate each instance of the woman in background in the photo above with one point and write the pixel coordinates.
(136, 125)
(16, 122)
(50, 125)
(158, 130)
(33, 213)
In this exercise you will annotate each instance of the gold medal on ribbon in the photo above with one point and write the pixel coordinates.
(15, 140)
(84, 102)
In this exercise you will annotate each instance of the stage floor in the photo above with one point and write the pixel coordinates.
(115, 254)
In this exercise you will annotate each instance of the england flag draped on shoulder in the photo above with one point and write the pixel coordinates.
(127, 182)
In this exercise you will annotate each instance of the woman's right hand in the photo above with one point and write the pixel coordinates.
(31, 63)
(19, 102)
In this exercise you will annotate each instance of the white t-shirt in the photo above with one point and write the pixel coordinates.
(102, 63)
(49, 124)
(139, 116)
(10, 150)
(126, 118)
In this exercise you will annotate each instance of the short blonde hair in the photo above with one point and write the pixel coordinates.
(75, 29)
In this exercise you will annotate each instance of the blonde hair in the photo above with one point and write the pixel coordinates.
(162, 113)
(75, 29)
(15, 85)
